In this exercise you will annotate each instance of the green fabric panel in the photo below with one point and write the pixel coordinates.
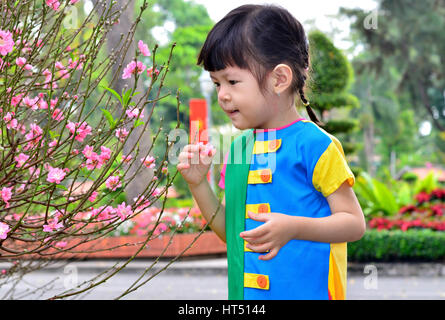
(237, 171)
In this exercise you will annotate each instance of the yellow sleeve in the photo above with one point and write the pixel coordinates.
(332, 170)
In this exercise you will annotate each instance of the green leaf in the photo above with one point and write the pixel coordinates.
(138, 122)
(126, 97)
(59, 186)
(109, 117)
(114, 93)
(404, 195)
(53, 134)
(428, 184)
(365, 187)
(386, 199)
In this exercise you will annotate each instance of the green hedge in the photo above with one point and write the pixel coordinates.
(396, 245)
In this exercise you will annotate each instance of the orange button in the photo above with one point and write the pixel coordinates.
(261, 281)
(273, 144)
(263, 208)
(265, 175)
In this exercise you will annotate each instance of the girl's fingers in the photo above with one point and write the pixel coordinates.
(262, 217)
(254, 234)
(263, 247)
(196, 154)
(183, 156)
(181, 166)
(270, 255)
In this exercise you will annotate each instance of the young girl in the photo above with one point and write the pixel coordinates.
(289, 206)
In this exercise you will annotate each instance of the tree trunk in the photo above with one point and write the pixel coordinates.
(426, 103)
(140, 181)
(368, 136)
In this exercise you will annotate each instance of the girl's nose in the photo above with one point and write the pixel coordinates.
(223, 95)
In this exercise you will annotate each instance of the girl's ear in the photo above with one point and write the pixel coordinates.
(282, 78)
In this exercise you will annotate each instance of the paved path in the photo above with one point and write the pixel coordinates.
(185, 281)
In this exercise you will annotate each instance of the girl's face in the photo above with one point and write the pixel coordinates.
(240, 97)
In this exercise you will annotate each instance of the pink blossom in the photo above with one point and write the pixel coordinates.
(93, 159)
(143, 48)
(53, 103)
(77, 64)
(20, 61)
(61, 244)
(150, 72)
(58, 115)
(93, 162)
(123, 211)
(127, 159)
(16, 99)
(80, 131)
(42, 104)
(142, 203)
(135, 113)
(21, 188)
(162, 227)
(113, 183)
(6, 42)
(4, 229)
(156, 192)
(31, 102)
(21, 159)
(34, 171)
(59, 65)
(53, 4)
(93, 196)
(88, 151)
(11, 123)
(105, 154)
(48, 79)
(132, 68)
(103, 213)
(34, 136)
(35, 132)
(73, 1)
(121, 134)
(6, 195)
(132, 113)
(54, 224)
(51, 145)
(65, 74)
(149, 162)
(55, 175)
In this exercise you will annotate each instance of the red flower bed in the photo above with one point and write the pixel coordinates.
(427, 213)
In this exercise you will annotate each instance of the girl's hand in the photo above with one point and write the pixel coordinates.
(194, 162)
(277, 230)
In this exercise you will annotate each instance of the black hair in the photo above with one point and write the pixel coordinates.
(258, 38)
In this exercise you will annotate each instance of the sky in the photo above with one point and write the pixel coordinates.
(316, 10)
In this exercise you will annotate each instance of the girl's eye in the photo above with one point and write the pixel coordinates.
(233, 82)
(216, 84)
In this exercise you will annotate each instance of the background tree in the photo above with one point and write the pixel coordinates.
(406, 49)
(329, 83)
